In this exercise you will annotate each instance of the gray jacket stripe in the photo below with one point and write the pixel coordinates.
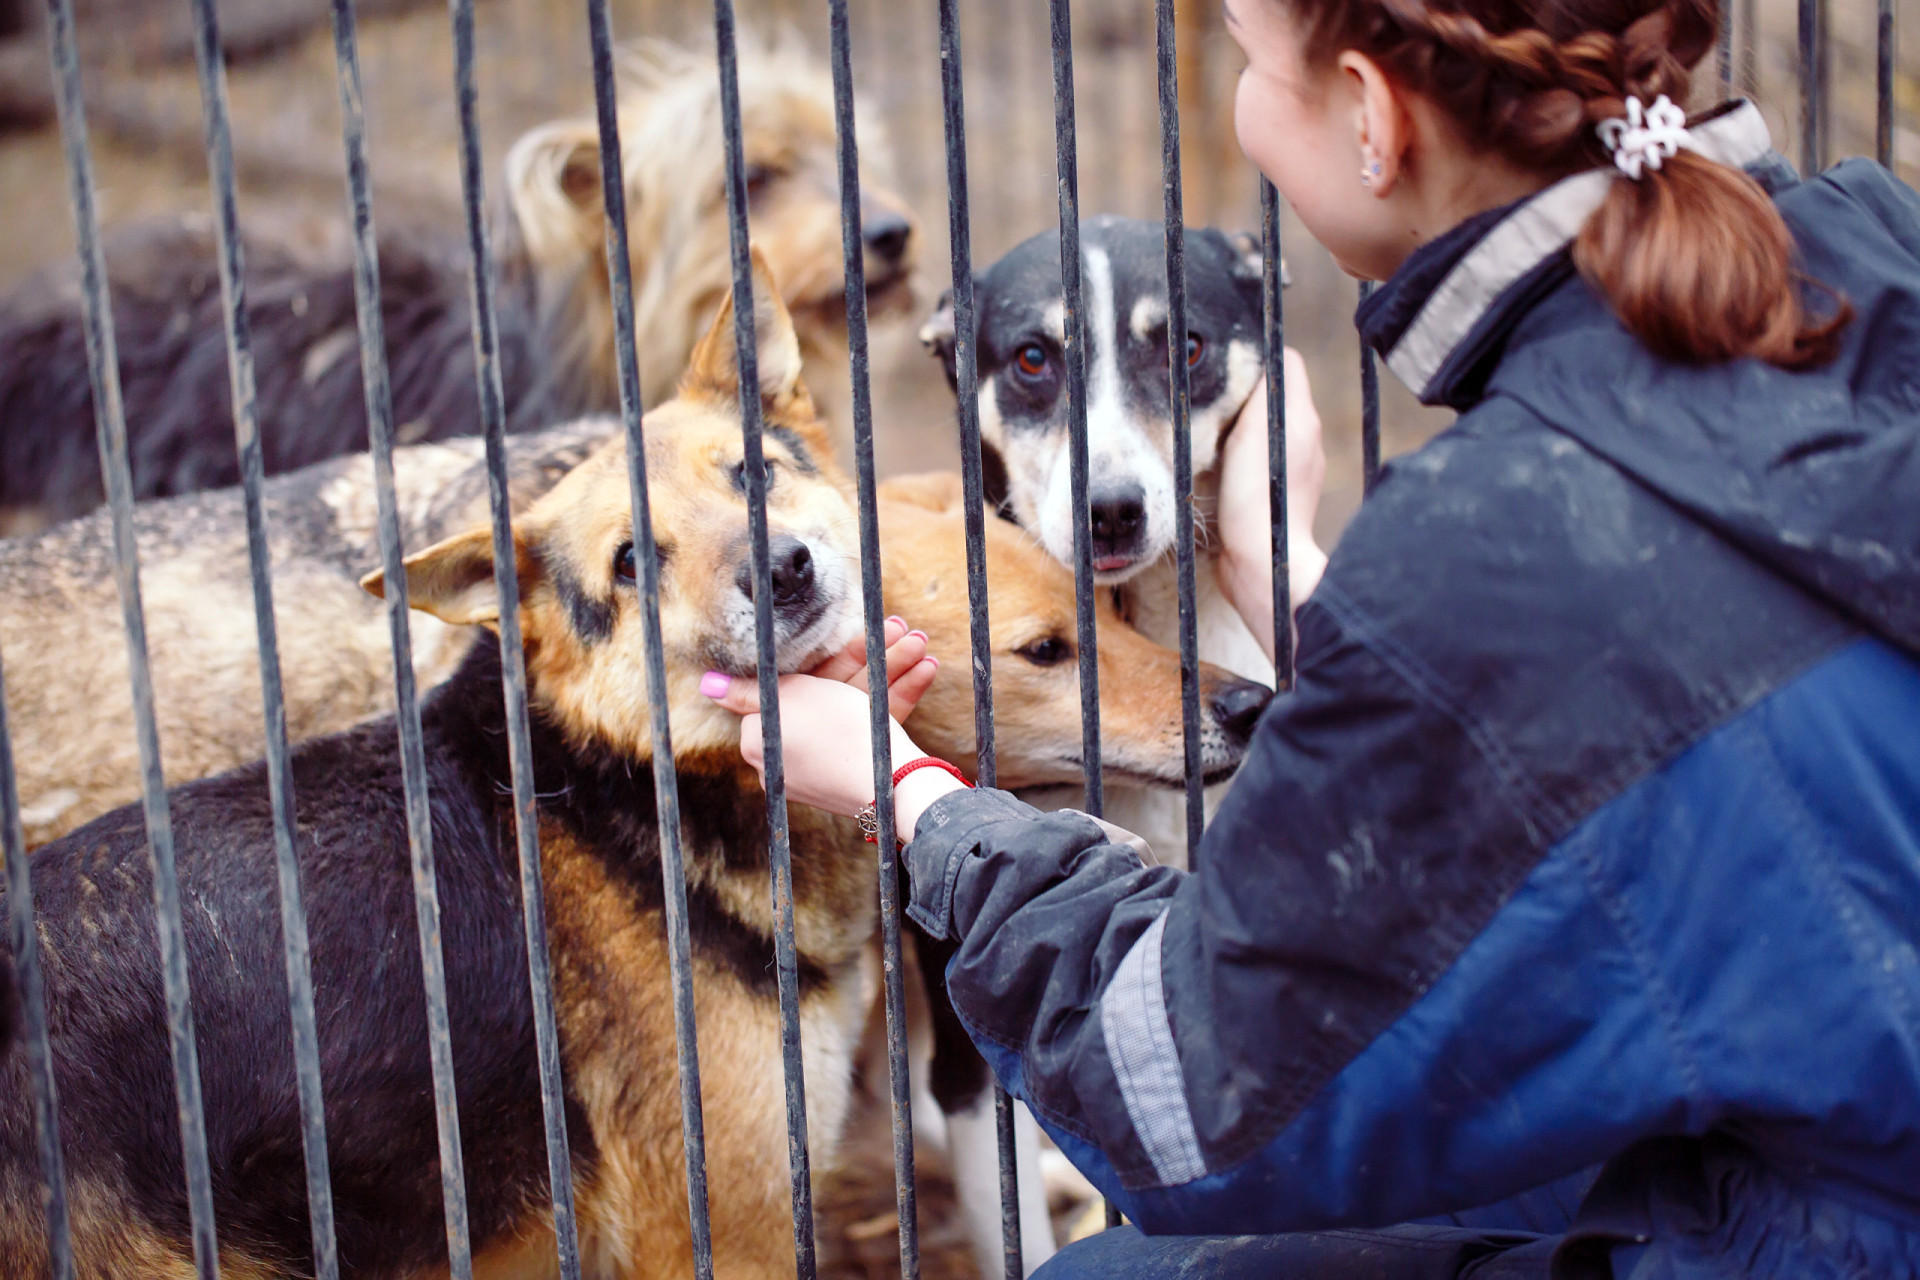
(1530, 235)
(1133, 1018)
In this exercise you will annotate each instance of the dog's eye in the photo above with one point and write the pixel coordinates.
(1196, 347)
(1045, 652)
(625, 563)
(1031, 359)
(759, 178)
(740, 474)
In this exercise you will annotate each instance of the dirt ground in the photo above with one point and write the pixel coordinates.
(144, 109)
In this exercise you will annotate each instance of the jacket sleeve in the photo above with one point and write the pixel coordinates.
(1255, 1047)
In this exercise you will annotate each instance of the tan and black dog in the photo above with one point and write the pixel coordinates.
(589, 715)
(554, 304)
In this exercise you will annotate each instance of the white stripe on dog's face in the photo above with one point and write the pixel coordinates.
(1129, 450)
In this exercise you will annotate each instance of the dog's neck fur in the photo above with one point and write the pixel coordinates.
(606, 806)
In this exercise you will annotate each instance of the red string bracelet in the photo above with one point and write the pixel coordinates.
(869, 817)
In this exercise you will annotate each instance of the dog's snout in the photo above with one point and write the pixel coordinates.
(1119, 518)
(792, 564)
(887, 236)
(1237, 704)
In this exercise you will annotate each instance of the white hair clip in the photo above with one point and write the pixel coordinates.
(1646, 136)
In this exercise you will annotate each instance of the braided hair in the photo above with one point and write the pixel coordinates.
(1694, 257)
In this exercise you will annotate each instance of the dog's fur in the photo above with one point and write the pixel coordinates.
(1020, 330)
(555, 310)
(589, 713)
(71, 712)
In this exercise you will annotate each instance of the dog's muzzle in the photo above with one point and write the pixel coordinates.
(1119, 526)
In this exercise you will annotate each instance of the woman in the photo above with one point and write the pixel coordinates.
(1591, 833)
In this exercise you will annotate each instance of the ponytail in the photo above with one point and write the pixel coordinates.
(1696, 262)
(1693, 257)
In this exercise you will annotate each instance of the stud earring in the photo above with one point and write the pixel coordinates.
(1369, 173)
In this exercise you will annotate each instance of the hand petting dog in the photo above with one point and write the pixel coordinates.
(1246, 520)
(828, 706)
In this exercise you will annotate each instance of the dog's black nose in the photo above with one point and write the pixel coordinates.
(1237, 705)
(1119, 517)
(792, 565)
(887, 235)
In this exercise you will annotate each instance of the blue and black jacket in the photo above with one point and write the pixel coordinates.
(1591, 831)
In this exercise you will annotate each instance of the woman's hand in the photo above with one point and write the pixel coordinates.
(1246, 523)
(825, 721)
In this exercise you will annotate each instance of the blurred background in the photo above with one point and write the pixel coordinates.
(144, 108)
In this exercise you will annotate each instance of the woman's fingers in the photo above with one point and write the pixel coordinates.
(910, 672)
(850, 664)
(905, 690)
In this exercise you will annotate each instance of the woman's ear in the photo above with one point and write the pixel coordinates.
(1382, 127)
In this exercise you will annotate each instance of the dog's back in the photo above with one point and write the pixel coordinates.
(171, 340)
(99, 948)
(65, 651)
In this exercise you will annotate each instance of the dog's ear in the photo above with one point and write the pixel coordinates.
(553, 183)
(1250, 258)
(936, 335)
(452, 580)
(714, 369)
(933, 490)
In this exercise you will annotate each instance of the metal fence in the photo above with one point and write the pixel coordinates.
(1733, 54)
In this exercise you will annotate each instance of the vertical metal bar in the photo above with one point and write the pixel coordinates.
(1066, 157)
(513, 663)
(1726, 49)
(1812, 90)
(1886, 47)
(1369, 409)
(966, 359)
(24, 940)
(111, 430)
(1179, 394)
(666, 785)
(1749, 44)
(780, 857)
(413, 760)
(1067, 162)
(246, 425)
(853, 253)
(1274, 331)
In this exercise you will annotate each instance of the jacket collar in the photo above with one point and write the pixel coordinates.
(1458, 297)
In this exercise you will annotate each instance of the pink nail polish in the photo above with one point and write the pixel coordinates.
(900, 620)
(715, 684)
(921, 634)
(935, 661)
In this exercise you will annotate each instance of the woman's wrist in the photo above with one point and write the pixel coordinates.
(916, 794)
(919, 789)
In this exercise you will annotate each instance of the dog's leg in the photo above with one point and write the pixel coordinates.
(961, 1085)
(973, 1139)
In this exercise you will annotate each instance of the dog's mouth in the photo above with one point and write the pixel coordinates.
(1168, 780)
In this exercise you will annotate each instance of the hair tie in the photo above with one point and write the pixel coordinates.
(1646, 136)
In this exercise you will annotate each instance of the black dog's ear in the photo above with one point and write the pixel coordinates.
(937, 336)
(1250, 259)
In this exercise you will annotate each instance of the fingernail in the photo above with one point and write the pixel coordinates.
(935, 661)
(921, 634)
(900, 620)
(715, 684)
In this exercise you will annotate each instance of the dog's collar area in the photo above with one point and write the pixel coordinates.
(1457, 294)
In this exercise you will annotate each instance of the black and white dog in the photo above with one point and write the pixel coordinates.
(1020, 321)
(1020, 330)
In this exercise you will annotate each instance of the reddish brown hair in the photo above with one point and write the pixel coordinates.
(1693, 257)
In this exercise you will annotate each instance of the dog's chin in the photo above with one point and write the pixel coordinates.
(889, 294)
(825, 633)
(1126, 774)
